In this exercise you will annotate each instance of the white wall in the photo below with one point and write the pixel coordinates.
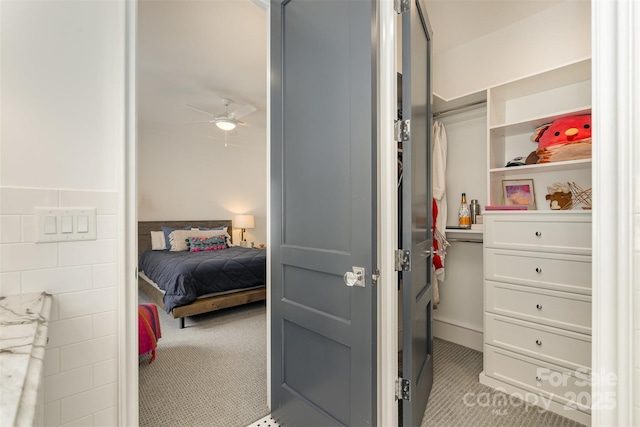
(181, 176)
(459, 315)
(61, 128)
(558, 35)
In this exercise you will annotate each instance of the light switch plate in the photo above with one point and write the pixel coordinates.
(65, 224)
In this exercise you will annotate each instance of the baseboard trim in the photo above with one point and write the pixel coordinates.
(458, 334)
(572, 414)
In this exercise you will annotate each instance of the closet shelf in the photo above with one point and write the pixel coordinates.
(528, 125)
(545, 167)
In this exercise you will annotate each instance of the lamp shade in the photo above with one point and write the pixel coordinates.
(244, 221)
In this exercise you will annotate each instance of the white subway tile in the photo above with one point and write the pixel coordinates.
(104, 275)
(51, 363)
(57, 280)
(52, 414)
(86, 302)
(10, 284)
(107, 226)
(106, 202)
(83, 404)
(83, 253)
(55, 312)
(67, 383)
(105, 324)
(22, 201)
(28, 228)
(106, 418)
(28, 256)
(88, 352)
(105, 372)
(10, 229)
(70, 331)
(80, 422)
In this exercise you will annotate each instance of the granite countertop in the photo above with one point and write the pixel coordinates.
(23, 336)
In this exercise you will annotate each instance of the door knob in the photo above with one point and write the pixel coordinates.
(354, 277)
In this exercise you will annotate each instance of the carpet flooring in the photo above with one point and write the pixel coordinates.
(211, 373)
(459, 400)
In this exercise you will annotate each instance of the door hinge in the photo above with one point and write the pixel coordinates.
(375, 275)
(401, 6)
(402, 130)
(403, 389)
(403, 260)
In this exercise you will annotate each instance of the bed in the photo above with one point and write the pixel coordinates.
(239, 274)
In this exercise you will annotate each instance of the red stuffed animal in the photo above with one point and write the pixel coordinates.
(568, 138)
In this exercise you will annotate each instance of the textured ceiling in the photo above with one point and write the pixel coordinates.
(455, 22)
(197, 52)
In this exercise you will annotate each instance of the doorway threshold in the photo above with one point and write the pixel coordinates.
(265, 422)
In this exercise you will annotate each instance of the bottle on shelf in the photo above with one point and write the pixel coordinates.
(464, 214)
(474, 207)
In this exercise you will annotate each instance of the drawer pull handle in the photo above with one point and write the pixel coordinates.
(538, 270)
(538, 342)
(538, 234)
(539, 306)
(539, 379)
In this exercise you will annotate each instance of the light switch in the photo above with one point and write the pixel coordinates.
(50, 226)
(67, 224)
(83, 223)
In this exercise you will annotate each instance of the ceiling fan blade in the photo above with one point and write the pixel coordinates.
(203, 121)
(202, 111)
(242, 111)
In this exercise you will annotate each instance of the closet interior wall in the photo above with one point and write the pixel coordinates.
(458, 317)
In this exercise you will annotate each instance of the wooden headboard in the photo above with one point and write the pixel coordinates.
(145, 228)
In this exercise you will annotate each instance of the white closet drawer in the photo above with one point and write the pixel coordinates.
(553, 345)
(559, 309)
(571, 273)
(541, 232)
(570, 388)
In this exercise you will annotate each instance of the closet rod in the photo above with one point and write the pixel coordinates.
(462, 107)
(464, 240)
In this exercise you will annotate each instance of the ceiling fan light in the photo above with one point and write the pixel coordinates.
(225, 125)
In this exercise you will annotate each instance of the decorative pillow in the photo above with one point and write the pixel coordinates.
(198, 244)
(157, 241)
(167, 231)
(178, 238)
(214, 228)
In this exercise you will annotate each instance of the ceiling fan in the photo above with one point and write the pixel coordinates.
(228, 120)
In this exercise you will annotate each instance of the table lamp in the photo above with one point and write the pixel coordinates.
(243, 222)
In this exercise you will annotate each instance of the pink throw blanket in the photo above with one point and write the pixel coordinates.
(148, 329)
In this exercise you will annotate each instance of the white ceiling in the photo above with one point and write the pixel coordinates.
(456, 22)
(197, 52)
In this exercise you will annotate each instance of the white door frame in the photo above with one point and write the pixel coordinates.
(613, 268)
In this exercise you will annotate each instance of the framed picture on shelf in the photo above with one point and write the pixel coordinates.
(519, 192)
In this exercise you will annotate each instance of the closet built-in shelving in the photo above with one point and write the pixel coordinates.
(515, 109)
(536, 264)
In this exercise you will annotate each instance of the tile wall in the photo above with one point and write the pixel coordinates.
(80, 369)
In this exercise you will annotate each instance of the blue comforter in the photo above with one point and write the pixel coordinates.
(186, 275)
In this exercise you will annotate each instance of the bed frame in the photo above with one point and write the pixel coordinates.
(202, 305)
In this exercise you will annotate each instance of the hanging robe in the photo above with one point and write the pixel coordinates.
(438, 178)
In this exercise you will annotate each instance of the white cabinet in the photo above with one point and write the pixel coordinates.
(537, 302)
(516, 108)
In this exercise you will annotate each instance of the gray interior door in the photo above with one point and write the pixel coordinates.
(417, 292)
(323, 212)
